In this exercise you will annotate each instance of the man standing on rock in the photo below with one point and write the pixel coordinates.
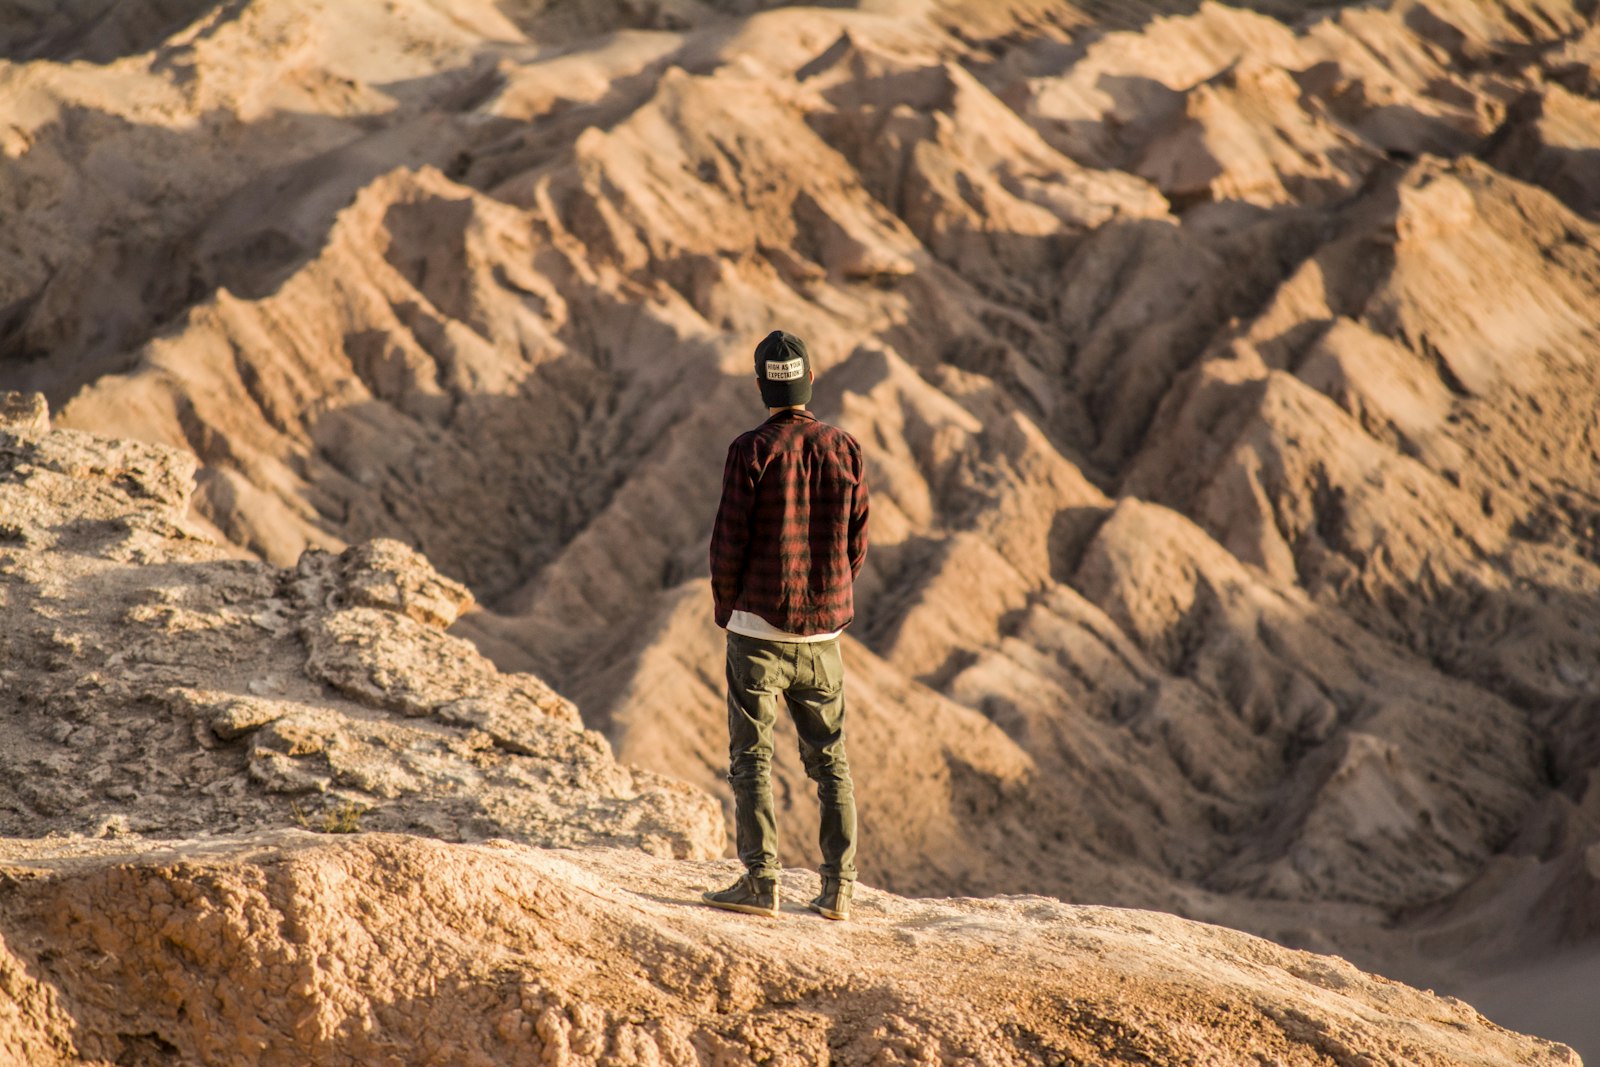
(789, 540)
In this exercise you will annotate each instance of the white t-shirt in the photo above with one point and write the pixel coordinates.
(749, 624)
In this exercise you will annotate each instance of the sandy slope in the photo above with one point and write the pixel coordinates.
(1228, 387)
(1549, 997)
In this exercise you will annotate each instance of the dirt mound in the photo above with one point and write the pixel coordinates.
(287, 949)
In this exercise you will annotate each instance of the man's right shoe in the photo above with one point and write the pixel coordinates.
(755, 896)
(834, 900)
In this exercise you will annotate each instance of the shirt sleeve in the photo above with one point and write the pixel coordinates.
(730, 533)
(857, 537)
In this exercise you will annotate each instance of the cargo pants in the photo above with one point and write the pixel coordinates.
(808, 677)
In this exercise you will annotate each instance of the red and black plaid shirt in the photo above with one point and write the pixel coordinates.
(791, 531)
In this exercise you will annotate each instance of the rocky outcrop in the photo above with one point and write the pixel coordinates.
(287, 948)
(153, 684)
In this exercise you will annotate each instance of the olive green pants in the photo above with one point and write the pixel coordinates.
(809, 679)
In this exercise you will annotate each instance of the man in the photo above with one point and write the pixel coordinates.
(789, 541)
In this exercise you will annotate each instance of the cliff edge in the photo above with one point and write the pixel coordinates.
(288, 948)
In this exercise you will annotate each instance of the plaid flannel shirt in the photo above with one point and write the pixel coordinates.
(791, 530)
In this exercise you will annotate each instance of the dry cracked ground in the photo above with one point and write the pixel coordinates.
(1228, 378)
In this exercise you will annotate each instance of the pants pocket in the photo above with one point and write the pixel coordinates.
(752, 665)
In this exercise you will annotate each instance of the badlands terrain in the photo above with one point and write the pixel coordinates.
(192, 922)
(1227, 375)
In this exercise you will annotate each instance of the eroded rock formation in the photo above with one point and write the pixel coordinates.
(155, 686)
(1227, 376)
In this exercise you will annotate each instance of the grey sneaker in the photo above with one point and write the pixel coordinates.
(834, 900)
(757, 896)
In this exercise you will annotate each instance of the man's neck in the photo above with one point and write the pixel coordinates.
(792, 407)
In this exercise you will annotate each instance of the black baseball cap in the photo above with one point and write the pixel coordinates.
(784, 367)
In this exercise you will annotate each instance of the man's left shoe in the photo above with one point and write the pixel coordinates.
(752, 895)
(834, 900)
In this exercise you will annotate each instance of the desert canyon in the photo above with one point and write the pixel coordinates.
(1228, 377)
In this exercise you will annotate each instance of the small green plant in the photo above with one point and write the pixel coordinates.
(343, 819)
